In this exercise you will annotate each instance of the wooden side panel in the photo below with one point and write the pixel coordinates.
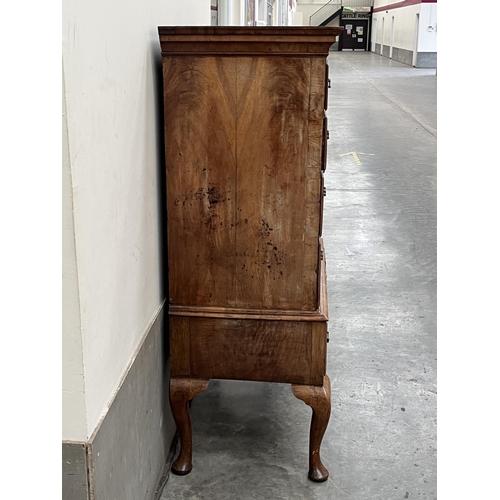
(179, 346)
(272, 148)
(243, 154)
(273, 351)
(200, 136)
(318, 355)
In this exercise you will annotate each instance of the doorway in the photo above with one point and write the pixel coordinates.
(355, 34)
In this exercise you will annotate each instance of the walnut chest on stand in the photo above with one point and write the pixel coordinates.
(245, 135)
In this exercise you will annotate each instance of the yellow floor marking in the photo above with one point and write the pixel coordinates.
(356, 157)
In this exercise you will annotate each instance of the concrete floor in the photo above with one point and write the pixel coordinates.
(251, 439)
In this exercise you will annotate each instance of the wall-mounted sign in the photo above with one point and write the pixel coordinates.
(355, 15)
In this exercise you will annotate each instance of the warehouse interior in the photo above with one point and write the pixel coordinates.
(250, 439)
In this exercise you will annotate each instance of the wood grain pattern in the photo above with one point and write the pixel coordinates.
(273, 34)
(318, 352)
(273, 351)
(179, 346)
(273, 109)
(322, 282)
(241, 313)
(319, 399)
(320, 314)
(243, 221)
(316, 115)
(200, 124)
(249, 41)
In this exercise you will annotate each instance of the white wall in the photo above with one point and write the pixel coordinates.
(382, 3)
(298, 19)
(231, 12)
(74, 413)
(404, 26)
(237, 12)
(308, 9)
(109, 54)
(427, 40)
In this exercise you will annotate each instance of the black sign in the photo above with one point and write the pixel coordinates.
(355, 15)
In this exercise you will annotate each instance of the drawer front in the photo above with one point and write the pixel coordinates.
(273, 351)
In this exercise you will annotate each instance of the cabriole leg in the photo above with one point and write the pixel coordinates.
(182, 391)
(319, 399)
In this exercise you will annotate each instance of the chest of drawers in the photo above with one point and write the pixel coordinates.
(246, 135)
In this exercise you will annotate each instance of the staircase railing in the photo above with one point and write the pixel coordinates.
(331, 7)
(324, 12)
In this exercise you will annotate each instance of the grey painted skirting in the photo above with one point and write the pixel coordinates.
(424, 59)
(74, 471)
(427, 60)
(127, 458)
(402, 55)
